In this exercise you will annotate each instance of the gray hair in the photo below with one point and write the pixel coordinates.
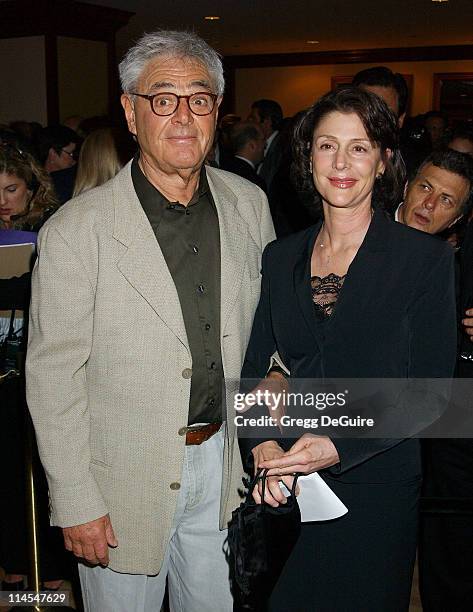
(169, 43)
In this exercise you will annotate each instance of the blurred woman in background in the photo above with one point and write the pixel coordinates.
(103, 153)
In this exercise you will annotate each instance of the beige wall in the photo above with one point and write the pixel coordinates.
(82, 76)
(23, 80)
(297, 87)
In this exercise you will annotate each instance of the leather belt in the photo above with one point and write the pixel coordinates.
(201, 433)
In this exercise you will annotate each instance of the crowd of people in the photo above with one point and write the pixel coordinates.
(158, 285)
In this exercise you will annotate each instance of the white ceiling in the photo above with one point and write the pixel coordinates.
(284, 26)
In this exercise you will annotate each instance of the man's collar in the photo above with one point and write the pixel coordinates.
(202, 189)
(248, 161)
(270, 140)
(397, 213)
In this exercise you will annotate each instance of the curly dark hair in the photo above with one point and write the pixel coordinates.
(381, 127)
(18, 162)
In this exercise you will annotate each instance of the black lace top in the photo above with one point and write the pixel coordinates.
(325, 292)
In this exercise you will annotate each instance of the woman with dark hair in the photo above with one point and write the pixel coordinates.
(356, 296)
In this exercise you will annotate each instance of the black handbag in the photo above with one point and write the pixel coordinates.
(260, 540)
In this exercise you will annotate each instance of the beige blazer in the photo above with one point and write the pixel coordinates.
(107, 385)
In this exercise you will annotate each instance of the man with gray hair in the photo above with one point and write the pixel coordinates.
(143, 299)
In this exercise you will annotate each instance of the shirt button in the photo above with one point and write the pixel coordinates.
(186, 373)
(182, 431)
(201, 288)
(172, 206)
(213, 365)
(211, 401)
(195, 248)
(188, 212)
(207, 326)
(174, 486)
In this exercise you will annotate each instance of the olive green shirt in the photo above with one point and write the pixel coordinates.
(189, 239)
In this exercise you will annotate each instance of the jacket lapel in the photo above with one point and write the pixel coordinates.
(233, 243)
(143, 263)
(368, 269)
(364, 278)
(302, 279)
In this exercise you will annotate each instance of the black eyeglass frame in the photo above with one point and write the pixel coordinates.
(72, 154)
(150, 98)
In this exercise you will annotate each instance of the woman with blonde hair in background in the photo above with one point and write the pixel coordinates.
(103, 153)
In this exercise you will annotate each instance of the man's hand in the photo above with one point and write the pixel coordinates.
(273, 495)
(309, 454)
(91, 540)
(468, 323)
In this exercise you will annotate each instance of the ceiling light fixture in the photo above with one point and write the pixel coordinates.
(312, 42)
(439, 1)
(211, 17)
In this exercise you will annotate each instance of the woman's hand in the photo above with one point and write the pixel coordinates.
(309, 454)
(270, 451)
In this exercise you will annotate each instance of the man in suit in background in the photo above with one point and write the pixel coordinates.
(58, 148)
(143, 300)
(388, 85)
(461, 140)
(247, 142)
(268, 115)
(439, 195)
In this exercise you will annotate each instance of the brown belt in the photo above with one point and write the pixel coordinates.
(201, 433)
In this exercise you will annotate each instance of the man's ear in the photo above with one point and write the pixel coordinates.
(129, 109)
(218, 101)
(52, 154)
(267, 125)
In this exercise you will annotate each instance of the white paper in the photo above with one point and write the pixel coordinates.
(317, 501)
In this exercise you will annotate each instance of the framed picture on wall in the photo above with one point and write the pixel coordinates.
(453, 94)
(336, 81)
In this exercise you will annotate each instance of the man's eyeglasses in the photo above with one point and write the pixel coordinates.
(164, 104)
(72, 154)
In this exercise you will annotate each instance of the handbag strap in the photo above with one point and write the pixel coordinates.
(11, 327)
(261, 475)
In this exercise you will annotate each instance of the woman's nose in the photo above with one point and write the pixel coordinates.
(340, 160)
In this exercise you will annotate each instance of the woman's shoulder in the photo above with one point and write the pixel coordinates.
(416, 242)
(293, 243)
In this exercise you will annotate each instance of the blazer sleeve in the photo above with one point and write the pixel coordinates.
(259, 354)
(60, 340)
(432, 354)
